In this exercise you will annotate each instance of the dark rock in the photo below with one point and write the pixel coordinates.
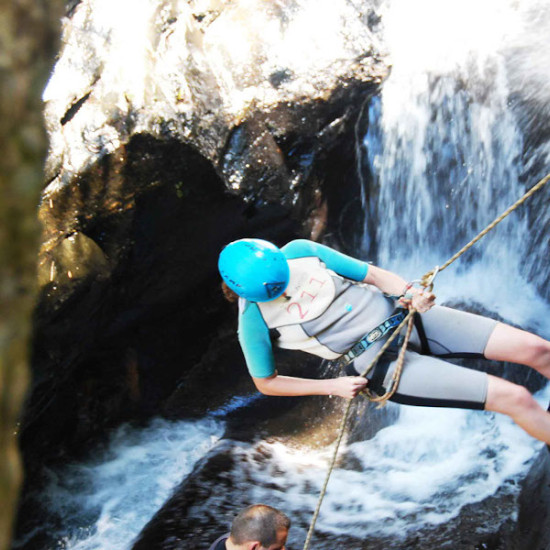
(134, 293)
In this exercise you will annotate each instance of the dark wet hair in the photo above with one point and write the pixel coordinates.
(258, 522)
(228, 294)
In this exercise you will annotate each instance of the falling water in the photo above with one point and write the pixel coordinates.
(446, 151)
(446, 155)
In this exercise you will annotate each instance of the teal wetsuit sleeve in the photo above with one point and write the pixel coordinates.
(255, 342)
(344, 265)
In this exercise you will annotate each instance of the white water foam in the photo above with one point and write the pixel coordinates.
(419, 471)
(106, 502)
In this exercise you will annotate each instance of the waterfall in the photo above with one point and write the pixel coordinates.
(446, 153)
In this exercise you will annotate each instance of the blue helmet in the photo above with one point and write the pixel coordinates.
(255, 269)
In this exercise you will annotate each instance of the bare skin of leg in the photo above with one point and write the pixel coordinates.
(516, 402)
(518, 346)
(507, 343)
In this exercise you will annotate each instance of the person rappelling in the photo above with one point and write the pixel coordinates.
(307, 296)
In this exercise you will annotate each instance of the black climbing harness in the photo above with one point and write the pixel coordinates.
(377, 333)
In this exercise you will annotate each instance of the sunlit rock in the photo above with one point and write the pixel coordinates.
(75, 257)
(199, 70)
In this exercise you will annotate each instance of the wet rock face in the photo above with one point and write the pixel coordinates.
(175, 127)
(131, 298)
(279, 71)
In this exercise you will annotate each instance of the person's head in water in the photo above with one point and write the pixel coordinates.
(254, 269)
(259, 527)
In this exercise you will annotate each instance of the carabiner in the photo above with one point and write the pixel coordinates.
(430, 283)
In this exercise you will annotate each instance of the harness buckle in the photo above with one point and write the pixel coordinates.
(358, 348)
(374, 334)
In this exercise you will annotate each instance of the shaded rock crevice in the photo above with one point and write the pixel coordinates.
(137, 264)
